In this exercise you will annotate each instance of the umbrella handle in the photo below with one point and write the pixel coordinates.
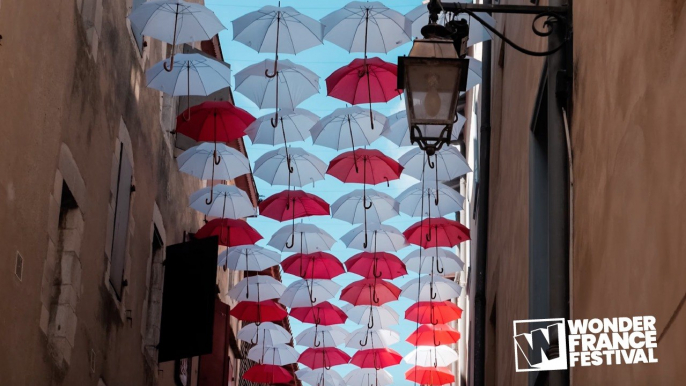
(292, 241)
(209, 200)
(431, 164)
(366, 340)
(388, 183)
(428, 234)
(436, 343)
(370, 323)
(432, 315)
(278, 25)
(217, 158)
(375, 297)
(433, 293)
(317, 344)
(438, 267)
(365, 240)
(368, 206)
(275, 120)
(290, 167)
(171, 60)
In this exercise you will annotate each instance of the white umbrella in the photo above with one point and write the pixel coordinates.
(357, 207)
(224, 201)
(295, 126)
(448, 164)
(175, 22)
(428, 356)
(271, 333)
(322, 336)
(419, 17)
(199, 161)
(398, 130)
(348, 127)
(430, 287)
(273, 167)
(366, 27)
(257, 288)
(320, 377)
(365, 338)
(424, 261)
(369, 377)
(307, 293)
(306, 238)
(437, 202)
(377, 237)
(373, 316)
(249, 258)
(279, 354)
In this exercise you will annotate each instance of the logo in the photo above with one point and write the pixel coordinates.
(533, 348)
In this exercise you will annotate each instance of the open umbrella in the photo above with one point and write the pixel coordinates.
(436, 232)
(326, 357)
(430, 376)
(447, 164)
(199, 161)
(279, 354)
(364, 338)
(257, 288)
(175, 22)
(269, 374)
(272, 333)
(369, 377)
(431, 287)
(249, 258)
(289, 205)
(214, 121)
(258, 312)
(398, 130)
(381, 237)
(381, 265)
(377, 358)
(231, 232)
(428, 356)
(322, 336)
(295, 126)
(304, 293)
(434, 335)
(320, 377)
(353, 207)
(317, 265)
(370, 292)
(223, 201)
(324, 314)
(373, 316)
(431, 312)
(437, 202)
(291, 166)
(439, 260)
(348, 127)
(306, 238)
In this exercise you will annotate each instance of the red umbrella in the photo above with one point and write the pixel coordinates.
(317, 265)
(231, 232)
(377, 167)
(437, 232)
(214, 122)
(376, 358)
(269, 374)
(327, 357)
(370, 292)
(433, 312)
(364, 81)
(380, 265)
(292, 204)
(434, 376)
(434, 335)
(324, 313)
(258, 312)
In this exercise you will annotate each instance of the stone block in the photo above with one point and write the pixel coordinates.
(61, 350)
(71, 269)
(65, 324)
(44, 319)
(48, 273)
(71, 241)
(54, 220)
(69, 296)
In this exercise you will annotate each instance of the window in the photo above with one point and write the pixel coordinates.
(153, 303)
(121, 223)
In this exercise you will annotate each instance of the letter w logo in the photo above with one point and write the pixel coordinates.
(533, 345)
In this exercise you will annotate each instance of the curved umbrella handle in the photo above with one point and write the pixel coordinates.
(275, 119)
(290, 167)
(436, 343)
(292, 239)
(438, 266)
(209, 200)
(368, 206)
(375, 297)
(433, 293)
(316, 344)
(216, 157)
(365, 240)
(431, 163)
(366, 340)
(171, 59)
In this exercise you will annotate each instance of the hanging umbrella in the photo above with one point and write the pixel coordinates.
(175, 22)
(295, 126)
(419, 17)
(436, 232)
(370, 292)
(223, 201)
(279, 354)
(398, 130)
(249, 258)
(369, 377)
(231, 232)
(256, 288)
(292, 204)
(258, 312)
(214, 121)
(433, 312)
(192, 74)
(304, 293)
(322, 336)
(354, 206)
(364, 338)
(447, 164)
(320, 377)
(381, 237)
(373, 316)
(317, 265)
(431, 287)
(324, 314)
(323, 357)
(377, 358)
(441, 261)
(269, 332)
(434, 335)
(291, 166)
(430, 376)
(269, 374)
(348, 127)
(199, 161)
(427, 356)
(306, 238)
(438, 202)
(381, 265)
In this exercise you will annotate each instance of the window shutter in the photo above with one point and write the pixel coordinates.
(121, 223)
(136, 33)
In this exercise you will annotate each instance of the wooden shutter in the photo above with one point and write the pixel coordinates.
(121, 223)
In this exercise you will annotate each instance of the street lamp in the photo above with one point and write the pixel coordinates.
(432, 77)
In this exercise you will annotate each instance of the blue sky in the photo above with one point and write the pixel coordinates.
(323, 60)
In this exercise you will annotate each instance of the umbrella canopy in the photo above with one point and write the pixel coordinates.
(369, 377)
(258, 312)
(249, 258)
(317, 265)
(273, 167)
(366, 27)
(436, 232)
(378, 237)
(438, 260)
(427, 356)
(192, 74)
(279, 354)
(214, 122)
(224, 201)
(358, 205)
(381, 265)
(323, 357)
(294, 84)
(322, 336)
(320, 377)
(370, 292)
(364, 81)
(305, 238)
(437, 202)
(257, 288)
(430, 376)
(376, 167)
(434, 335)
(269, 332)
(292, 204)
(431, 287)
(269, 374)
(373, 316)
(324, 314)
(448, 164)
(305, 293)
(477, 33)
(199, 161)
(348, 127)
(431, 312)
(231, 232)
(364, 338)
(377, 358)
(295, 126)
(398, 130)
